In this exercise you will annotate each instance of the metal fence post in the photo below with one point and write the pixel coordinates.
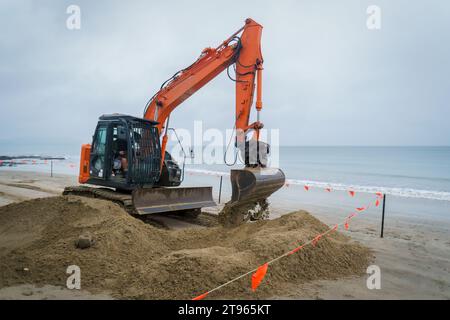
(220, 187)
(382, 216)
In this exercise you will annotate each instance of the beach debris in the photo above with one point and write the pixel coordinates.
(84, 241)
(27, 293)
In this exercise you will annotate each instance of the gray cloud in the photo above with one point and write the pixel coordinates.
(328, 80)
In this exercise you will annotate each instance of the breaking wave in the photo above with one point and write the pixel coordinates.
(394, 191)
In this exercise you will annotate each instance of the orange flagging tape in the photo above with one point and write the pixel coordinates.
(260, 272)
(296, 249)
(200, 297)
(316, 239)
(258, 276)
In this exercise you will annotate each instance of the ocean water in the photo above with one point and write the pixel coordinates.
(421, 172)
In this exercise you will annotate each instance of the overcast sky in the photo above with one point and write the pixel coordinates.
(328, 79)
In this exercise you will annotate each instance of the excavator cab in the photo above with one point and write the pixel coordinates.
(125, 153)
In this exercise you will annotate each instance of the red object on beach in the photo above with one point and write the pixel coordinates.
(306, 188)
(296, 249)
(379, 194)
(316, 239)
(346, 226)
(361, 209)
(350, 216)
(377, 203)
(200, 297)
(258, 276)
(352, 193)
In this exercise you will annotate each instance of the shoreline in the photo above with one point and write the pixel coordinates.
(413, 256)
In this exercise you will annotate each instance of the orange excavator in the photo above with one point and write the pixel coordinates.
(128, 157)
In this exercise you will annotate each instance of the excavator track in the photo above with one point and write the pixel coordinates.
(125, 200)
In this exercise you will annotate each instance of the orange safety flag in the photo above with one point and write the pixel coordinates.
(200, 297)
(316, 239)
(377, 203)
(352, 193)
(296, 249)
(306, 188)
(258, 276)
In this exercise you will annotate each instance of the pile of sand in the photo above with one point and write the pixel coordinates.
(132, 259)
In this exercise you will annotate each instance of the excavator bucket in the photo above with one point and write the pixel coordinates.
(252, 184)
(250, 189)
(155, 200)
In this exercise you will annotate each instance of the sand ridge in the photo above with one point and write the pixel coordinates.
(132, 259)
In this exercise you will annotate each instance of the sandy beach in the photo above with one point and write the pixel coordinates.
(413, 256)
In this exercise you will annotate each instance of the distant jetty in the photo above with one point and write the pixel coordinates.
(31, 157)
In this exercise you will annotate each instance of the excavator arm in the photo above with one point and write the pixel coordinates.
(244, 52)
